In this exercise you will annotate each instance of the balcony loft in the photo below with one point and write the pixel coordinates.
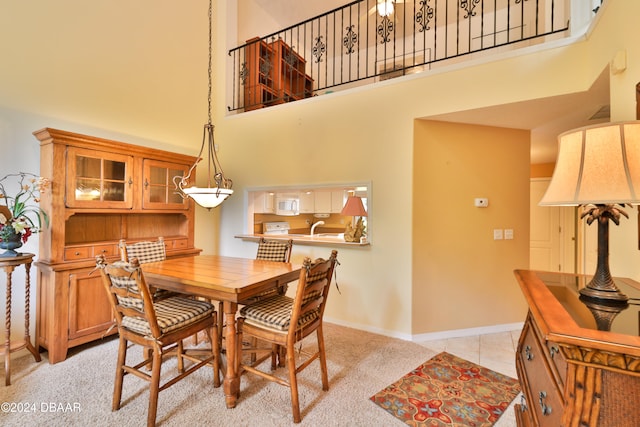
(368, 41)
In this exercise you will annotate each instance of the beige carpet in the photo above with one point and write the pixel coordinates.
(78, 391)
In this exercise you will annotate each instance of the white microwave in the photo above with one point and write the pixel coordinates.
(287, 204)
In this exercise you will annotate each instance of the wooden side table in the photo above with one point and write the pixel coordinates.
(8, 264)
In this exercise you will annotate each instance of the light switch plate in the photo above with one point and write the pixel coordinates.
(497, 234)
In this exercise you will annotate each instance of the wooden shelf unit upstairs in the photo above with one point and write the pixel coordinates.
(101, 191)
(276, 74)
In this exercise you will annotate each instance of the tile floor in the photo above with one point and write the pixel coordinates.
(494, 351)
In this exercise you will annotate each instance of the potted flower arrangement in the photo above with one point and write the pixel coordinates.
(20, 216)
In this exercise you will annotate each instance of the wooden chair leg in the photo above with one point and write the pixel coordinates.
(220, 323)
(146, 354)
(274, 356)
(215, 347)
(323, 359)
(293, 384)
(117, 387)
(154, 386)
(180, 358)
(282, 355)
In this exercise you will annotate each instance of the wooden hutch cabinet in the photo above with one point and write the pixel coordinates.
(101, 191)
(276, 74)
(578, 360)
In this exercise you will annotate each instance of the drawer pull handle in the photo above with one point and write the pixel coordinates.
(546, 409)
(77, 253)
(523, 403)
(104, 251)
(528, 353)
(553, 350)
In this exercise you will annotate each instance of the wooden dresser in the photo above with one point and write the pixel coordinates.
(572, 370)
(101, 191)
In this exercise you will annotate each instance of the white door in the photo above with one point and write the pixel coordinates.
(552, 233)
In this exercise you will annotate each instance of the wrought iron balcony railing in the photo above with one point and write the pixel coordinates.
(371, 40)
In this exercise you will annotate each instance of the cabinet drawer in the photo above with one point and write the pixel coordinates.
(556, 360)
(81, 252)
(179, 244)
(558, 363)
(522, 415)
(106, 250)
(544, 399)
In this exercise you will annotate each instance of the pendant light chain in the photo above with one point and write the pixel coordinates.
(210, 55)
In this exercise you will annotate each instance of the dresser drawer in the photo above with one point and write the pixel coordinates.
(106, 250)
(558, 363)
(178, 244)
(555, 358)
(73, 253)
(79, 252)
(544, 399)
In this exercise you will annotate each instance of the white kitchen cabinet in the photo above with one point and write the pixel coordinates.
(329, 201)
(307, 202)
(322, 200)
(264, 202)
(337, 201)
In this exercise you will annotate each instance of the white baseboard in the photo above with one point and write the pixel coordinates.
(459, 333)
(430, 336)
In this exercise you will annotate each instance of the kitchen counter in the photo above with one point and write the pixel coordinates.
(320, 239)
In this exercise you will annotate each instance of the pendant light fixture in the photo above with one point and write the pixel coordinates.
(207, 197)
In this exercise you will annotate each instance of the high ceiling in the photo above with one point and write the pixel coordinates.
(545, 117)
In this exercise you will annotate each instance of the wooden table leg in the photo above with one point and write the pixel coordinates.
(7, 323)
(27, 298)
(231, 379)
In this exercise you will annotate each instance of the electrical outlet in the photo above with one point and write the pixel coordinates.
(497, 234)
(508, 234)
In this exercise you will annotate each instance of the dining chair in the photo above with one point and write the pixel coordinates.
(144, 252)
(282, 321)
(158, 327)
(272, 250)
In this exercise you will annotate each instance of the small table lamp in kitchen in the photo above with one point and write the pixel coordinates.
(598, 168)
(354, 208)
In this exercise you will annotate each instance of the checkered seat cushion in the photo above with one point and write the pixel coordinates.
(270, 250)
(147, 251)
(171, 313)
(274, 313)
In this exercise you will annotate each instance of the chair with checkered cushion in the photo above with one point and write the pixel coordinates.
(144, 252)
(272, 250)
(281, 321)
(159, 327)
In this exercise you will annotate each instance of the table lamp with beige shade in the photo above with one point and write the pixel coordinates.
(598, 168)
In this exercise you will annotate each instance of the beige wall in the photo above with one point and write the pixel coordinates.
(459, 271)
(136, 72)
(372, 130)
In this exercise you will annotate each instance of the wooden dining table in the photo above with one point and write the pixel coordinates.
(226, 279)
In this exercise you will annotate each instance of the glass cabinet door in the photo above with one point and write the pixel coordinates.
(98, 179)
(158, 187)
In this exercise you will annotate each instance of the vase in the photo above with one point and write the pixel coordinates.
(11, 243)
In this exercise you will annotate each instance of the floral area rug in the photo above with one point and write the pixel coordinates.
(448, 391)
